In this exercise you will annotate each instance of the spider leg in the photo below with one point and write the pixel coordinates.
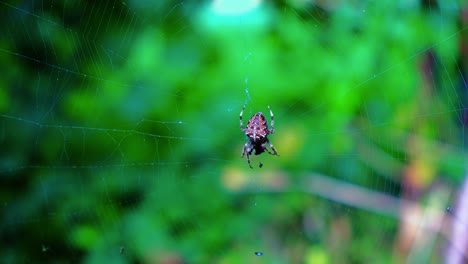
(272, 148)
(272, 124)
(267, 150)
(248, 161)
(240, 117)
(247, 151)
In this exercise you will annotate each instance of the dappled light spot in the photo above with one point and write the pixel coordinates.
(234, 7)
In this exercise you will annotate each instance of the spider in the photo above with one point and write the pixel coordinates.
(257, 132)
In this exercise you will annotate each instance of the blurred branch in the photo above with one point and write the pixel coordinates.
(425, 221)
(430, 218)
(458, 242)
(352, 195)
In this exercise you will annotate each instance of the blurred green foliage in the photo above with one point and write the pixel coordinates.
(119, 127)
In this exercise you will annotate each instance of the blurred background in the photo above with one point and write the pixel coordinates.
(120, 139)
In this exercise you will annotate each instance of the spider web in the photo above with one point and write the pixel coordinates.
(120, 139)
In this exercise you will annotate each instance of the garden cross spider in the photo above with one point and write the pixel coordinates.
(257, 132)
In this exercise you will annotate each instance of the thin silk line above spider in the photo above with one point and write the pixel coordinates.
(257, 132)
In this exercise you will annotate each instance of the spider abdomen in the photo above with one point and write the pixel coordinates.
(257, 128)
